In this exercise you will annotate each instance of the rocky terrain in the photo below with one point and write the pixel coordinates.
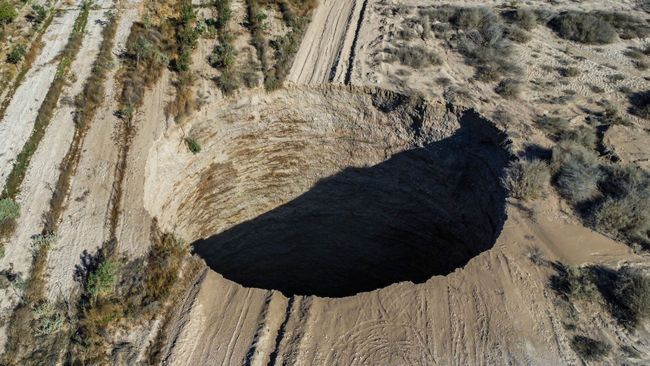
(341, 182)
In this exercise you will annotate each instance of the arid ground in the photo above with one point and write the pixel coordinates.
(331, 182)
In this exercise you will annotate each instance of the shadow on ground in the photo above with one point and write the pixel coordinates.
(421, 213)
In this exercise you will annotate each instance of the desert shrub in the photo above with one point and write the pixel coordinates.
(517, 34)
(416, 57)
(482, 39)
(641, 64)
(527, 179)
(583, 28)
(590, 349)
(250, 78)
(9, 212)
(576, 283)
(583, 135)
(596, 89)
(625, 216)
(508, 88)
(634, 53)
(625, 209)
(632, 296)
(227, 81)
(17, 53)
(569, 72)
(627, 26)
(7, 12)
(525, 18)
(192, 145)
(163, 264)
(473, 17)
(553, 126)
(640, 104)
(102, 280)
(578, 172)
(223, 56)
(37, 15)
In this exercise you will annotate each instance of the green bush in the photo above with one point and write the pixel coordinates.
(223, 56)
(583, 28)
(577, 283)
(38, 14)
(101, 281)
(9, 210)
(16, 54)
(7, 12)
(590, 349)
(192, 145)
(527, 179)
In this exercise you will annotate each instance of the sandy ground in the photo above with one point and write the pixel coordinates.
(321, 57)
(497, 309)
(19, 118)
(84, 223)
(134, 226)
(43, 172)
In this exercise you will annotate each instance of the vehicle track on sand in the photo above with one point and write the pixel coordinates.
(326, 46)
(84, 222)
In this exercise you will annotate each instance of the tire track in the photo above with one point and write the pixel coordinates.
(353, 50)
(281, 332)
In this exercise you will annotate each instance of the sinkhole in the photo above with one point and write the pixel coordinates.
(332, 191)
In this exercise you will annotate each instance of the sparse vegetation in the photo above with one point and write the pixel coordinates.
(46, 110)
(583, 135)
(139, 290)
(192, 145)
(569, 72)
(7, 13)
(624, 210)
(553, 126)
(524, 18)
(576, 283)
(416, 57)
(626, 291)
(17, 53)
(9, 212)
(583, 28)
(509, 88)
(527, 179)
(187, 34)
(640, 104)
(578, 172)
(590, 349)
(483, 41)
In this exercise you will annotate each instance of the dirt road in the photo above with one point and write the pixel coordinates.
(325, 50)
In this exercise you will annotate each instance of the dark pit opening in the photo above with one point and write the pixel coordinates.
(422, 212)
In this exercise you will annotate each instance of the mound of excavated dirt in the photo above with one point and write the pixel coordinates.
(331, 191)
